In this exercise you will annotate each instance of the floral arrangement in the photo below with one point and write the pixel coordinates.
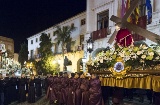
(142, 56)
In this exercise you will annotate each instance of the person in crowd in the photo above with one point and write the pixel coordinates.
(51, 92)
(46, 84)
(156, 98)
(71, 90)
(85, 89)
(78, 93)
(117, 97)
(60, 97)
(38, 86)
(13, 88)
(65, 87)
(31, 90)
(7, 99)
(22, 88)
(2, 83)
(95, 91)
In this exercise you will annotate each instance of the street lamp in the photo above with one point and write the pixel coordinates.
(90, 45)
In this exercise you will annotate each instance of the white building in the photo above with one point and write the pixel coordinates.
(79, 22)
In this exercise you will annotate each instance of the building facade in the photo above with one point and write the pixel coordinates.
(76, 53)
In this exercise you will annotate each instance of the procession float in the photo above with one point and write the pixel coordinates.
(127, 64)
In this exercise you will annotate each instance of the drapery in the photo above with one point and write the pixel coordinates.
(124, 38)
(148, 82)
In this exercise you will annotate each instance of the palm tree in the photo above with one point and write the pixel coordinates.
(63, 36)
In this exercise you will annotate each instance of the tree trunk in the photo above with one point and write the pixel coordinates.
(63, 55)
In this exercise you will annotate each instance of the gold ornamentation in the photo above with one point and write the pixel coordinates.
(119, 71)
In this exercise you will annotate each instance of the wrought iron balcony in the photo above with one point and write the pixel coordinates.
(99, 34)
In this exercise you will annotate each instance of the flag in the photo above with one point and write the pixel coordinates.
(149, 11)
(123, 8)
(136, 14)
(127, 7)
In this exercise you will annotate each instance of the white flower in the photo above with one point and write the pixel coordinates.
(115, 52)
(143, 56)
(105, 58)
(142, 61)
(151, 53)
(139, 52)
(157, 58)
(101, 60)
(92, 64)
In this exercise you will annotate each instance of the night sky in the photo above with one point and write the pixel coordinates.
(20, 19)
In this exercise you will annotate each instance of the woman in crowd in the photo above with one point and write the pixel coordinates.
(31, 90)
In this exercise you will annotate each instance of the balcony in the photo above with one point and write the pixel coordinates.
(99, 34)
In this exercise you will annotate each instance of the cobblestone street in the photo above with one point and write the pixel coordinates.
(44, 101)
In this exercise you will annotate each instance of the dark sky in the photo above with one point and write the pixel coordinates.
(20, 19)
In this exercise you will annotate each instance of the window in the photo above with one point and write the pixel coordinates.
(83, 22)
(49, 35)
(31, 54)
(31, 41)
(36, 39)
(81, 41)
(72, 25)
(103, 20)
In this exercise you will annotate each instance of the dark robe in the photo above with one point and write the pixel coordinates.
(31, 91)
(51, 91)
(7, 91)
(156, 98)
(13, 88)
(2, 85)
(65, 88)
(117, 97)
(38, 87)
(71, 92)
(59, 88)
(85, 91)
(78, 93)
(46, 84)
(22, 89)
(95, 92)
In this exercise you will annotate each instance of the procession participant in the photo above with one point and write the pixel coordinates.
(31, 90)
(65, 87)
(60, 97)
(7, 99)
(85, 89)
(117, 97)
(54, 87)
(46, 84)
(22, 88)
(38, 86)
(71, 90)
(2, 83)
(95, 91)
(13, 88)
(78, 93)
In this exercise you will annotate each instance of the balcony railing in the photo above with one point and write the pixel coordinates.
(99, 34)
